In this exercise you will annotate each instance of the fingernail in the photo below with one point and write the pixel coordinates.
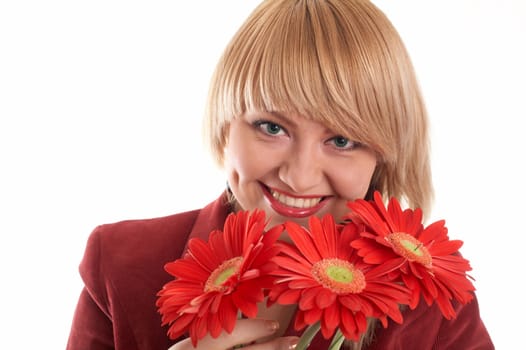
(272, 325)
(293, 344)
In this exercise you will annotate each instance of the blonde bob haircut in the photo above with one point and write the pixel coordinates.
(337, 62)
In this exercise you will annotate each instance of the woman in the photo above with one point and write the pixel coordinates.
(313, 104)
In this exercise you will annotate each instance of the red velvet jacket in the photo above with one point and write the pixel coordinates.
(123, 269)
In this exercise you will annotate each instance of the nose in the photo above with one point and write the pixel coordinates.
(302, 169)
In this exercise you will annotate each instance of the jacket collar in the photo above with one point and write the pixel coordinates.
(210, 218)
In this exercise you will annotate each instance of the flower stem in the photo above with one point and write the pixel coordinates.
(307, 336)
(337, 340)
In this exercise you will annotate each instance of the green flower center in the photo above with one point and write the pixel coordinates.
(409, 247)
(340, 276)
(218, 277)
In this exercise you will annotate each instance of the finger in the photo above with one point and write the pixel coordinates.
(283, 343)
(246, 331)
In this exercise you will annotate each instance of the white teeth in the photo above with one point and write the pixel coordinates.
(295, 202)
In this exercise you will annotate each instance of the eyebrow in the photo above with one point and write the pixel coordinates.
(293, 123)
(283, 118)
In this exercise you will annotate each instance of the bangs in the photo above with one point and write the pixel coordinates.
(295, 74)
(329, 62)
(297, 60)
(339, 63)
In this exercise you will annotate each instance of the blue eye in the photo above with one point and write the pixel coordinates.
(273, 129)
(269, 127)
(343, 143)
(340, 141)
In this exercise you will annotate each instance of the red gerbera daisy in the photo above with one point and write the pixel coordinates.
(330, 283)
(428, 261)
(216, 279)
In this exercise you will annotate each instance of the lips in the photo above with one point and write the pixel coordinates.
(293, 206)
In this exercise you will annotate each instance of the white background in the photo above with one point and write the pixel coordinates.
(100, 112)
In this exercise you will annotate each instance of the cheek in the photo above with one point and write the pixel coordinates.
(243, 159)
(237, 163)
(354, 181)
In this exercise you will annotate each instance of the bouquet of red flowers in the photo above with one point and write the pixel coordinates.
(338, 274)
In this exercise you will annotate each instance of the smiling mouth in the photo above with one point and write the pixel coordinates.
(295, 202)
(293, 206)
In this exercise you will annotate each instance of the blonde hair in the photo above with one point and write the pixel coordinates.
(338, 62)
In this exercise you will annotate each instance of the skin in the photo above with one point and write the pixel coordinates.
(299, 161)
(291, 155)
(245, 332)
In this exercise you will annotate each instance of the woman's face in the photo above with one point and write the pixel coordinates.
(293, 168)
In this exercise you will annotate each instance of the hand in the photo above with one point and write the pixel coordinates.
(246, 331)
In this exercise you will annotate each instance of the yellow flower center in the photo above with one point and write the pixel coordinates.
(409, 247)
(221, 274)
(339, 276)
